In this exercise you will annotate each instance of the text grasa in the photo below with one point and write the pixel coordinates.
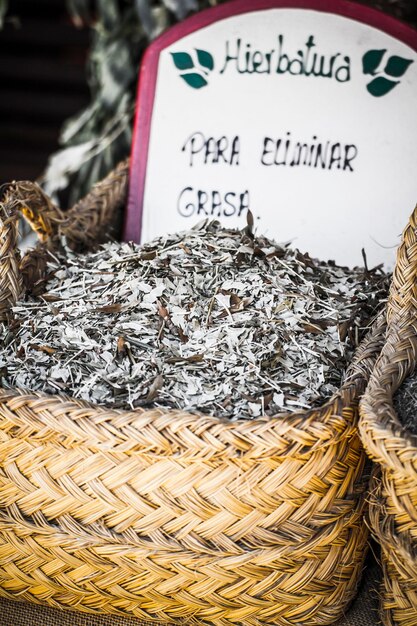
(200, 203)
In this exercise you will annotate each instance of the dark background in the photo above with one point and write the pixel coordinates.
(42, 78)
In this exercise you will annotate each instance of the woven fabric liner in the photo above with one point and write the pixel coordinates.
(393, 491)
(166, 515)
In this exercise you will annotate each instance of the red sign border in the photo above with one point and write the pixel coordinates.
(149, 67)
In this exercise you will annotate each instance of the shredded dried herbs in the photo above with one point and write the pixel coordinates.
(211, 319)
(405, 403)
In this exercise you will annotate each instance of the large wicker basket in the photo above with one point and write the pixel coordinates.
(170, 516)
(393, 498)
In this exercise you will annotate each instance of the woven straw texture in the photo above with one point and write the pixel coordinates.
(393, 500)
(363, 611)
(165, 515)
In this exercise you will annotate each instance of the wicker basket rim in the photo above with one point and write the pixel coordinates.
(383, 435)
(384, 526)
(392, 430)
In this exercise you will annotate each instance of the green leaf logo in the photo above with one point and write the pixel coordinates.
(205, 59)
(381, 86)
(200, 61)
(182, 60)
(194, 80)
(371, 60)
(395, 67)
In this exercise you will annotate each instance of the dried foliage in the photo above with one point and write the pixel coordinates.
(96, 139)
(3, 9)
(405, 403)
(210, 319)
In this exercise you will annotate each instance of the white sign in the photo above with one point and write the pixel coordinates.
(305, 116)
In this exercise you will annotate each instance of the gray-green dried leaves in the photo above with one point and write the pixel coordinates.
(210, 319)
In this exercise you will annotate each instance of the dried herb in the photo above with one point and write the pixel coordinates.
(215, 320)
(405, 403)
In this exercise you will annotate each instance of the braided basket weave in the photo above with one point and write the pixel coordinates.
(393, 499)
(165, 515)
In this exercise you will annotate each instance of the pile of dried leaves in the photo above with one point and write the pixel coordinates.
(209, 319)
(405, 403)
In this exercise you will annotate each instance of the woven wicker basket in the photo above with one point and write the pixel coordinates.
(393, 500)
(167, 515)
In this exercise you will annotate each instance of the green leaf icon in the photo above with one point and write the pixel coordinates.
(182, 60)
(371, 61)
(380, 86)
(397, 66)
(194, 80)
(205, 59)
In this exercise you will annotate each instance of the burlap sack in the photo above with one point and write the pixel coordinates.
(363, 612)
